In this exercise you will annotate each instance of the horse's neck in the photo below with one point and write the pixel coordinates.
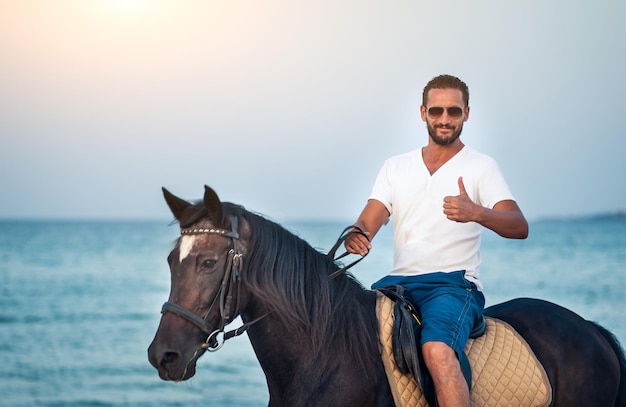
(269, 334)
(279, 349)
(296, 374)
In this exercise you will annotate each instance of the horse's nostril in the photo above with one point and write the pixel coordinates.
(169, 357)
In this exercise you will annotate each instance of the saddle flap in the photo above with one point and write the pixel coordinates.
(405, 341)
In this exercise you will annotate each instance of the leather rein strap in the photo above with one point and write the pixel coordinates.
(350, 230)
(225, 294)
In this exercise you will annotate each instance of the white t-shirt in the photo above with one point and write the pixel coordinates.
(425, 240)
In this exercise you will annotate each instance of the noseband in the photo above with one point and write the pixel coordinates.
(225, 294)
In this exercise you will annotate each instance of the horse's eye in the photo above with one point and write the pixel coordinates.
(208, 264)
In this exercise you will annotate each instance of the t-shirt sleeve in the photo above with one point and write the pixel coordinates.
(493, 187)
(382, 191)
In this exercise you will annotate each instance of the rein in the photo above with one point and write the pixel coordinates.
(350, 230)
(225, 294)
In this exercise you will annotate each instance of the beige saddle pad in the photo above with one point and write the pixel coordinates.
(505, 371)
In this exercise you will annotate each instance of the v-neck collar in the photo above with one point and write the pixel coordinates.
(445, 164)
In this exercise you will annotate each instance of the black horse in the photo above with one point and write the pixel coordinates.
(316, 338)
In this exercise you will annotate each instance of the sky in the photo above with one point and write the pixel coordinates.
(291, 107)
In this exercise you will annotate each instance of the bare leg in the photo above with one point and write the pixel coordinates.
(450, 385)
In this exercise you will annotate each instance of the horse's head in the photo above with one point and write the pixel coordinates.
(204, 294)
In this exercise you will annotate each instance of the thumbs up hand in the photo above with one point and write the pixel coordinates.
(461, 208)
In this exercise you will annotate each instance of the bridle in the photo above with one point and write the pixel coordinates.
(230, 284)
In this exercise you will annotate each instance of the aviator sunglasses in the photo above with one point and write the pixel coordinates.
(436, 112)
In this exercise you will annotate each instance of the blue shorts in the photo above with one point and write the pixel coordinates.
(449, 304)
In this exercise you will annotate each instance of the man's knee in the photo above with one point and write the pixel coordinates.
(439, 355)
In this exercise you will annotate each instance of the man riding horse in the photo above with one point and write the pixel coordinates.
(440, 197)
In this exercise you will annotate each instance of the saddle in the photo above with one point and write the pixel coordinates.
(406, 335)
(506, 370)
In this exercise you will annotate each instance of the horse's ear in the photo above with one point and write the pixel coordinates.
(213, 205)
(177, 205)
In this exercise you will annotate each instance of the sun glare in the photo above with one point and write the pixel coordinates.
(130, 4)
(133, 9)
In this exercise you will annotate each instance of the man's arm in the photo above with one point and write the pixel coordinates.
(505, 218)
(372, 218)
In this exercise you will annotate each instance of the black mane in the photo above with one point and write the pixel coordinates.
(292, 279)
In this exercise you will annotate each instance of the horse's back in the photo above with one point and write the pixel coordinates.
(580, 363)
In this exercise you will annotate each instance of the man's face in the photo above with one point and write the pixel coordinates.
(444, 115)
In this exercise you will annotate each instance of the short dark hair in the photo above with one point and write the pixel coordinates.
(446, 82)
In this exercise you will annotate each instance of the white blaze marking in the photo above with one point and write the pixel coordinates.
(186, 244)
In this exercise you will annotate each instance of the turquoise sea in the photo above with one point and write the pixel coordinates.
(80, 302)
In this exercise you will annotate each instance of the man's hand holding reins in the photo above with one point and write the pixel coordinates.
(356, 243)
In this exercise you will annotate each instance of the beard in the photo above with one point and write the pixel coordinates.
(432, 132)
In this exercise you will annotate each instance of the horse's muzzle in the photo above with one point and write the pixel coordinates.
(172, 364)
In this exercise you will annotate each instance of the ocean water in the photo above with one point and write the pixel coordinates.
(80, 302)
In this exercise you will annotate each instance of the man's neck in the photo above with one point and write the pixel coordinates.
(435, 155)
